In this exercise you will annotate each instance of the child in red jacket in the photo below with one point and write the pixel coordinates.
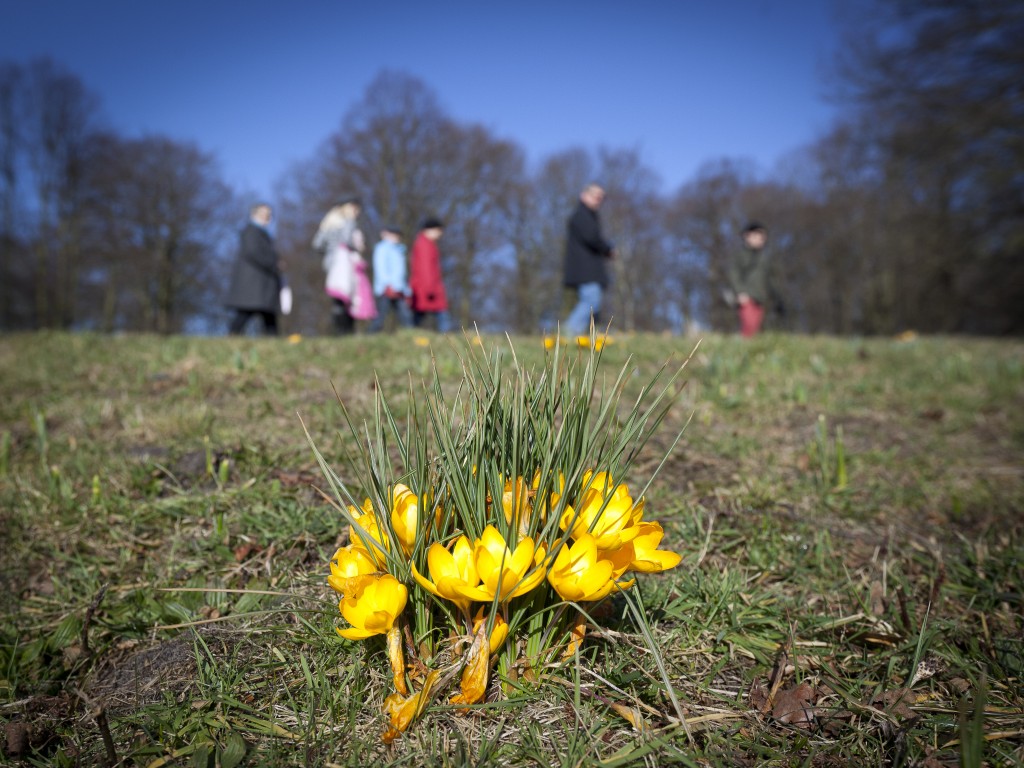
(429, 299)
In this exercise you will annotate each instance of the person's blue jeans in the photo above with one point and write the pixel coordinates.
(588, 302)
(387, 306)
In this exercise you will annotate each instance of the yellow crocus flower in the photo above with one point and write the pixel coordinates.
(516, 503)
(582, 574)
(453, 575)
(351, 567)
(608, 516)
(375, 609)
(404, 516)
(369, 535)
(647, 558)
(505, 573)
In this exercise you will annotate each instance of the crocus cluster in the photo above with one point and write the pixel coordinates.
(530, 559)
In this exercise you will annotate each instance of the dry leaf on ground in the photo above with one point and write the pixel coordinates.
(795, 706)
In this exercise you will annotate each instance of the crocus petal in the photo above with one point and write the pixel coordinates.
(354, 633)
(499, 633)
(528, 583)
(349, 587)
(656, 561)
(462, 554)
(440, 562)
(350, 568)
(367, 535)
(502, 572)
(424, 582)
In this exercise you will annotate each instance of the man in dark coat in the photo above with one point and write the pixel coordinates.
(586, 256)
(256, 279)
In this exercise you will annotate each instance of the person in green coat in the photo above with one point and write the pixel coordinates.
(749, 279)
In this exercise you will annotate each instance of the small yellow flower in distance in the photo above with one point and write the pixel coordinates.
(421, 341)
(506, 573)
(550, 341)
(295, 338)
(599, 342)
(376, 608)
(453, 574)
(581, 574)
(351, 567)
(404, 516)
(647, 558)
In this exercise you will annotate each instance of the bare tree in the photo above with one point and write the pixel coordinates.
(703, 219)
(161, 230)
(941, 83)
(641, 299)
(62, 114)
(15, 267)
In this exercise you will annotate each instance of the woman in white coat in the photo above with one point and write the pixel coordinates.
(341, 242)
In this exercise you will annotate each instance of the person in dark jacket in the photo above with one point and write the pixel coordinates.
(749, 280)
(586, 257)
(256, 279)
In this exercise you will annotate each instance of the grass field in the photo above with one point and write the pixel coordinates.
(850, 515)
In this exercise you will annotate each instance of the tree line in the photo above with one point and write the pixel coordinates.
(907, 214)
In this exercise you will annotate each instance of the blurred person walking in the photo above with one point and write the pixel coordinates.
(750, 281)
(341, 243)
(586, 257)
(429, 299)
(255, 286)
(390, 285)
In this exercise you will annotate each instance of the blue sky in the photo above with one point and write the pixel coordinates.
(261, 84)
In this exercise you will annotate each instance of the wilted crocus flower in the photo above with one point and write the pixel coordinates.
(401, 710)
